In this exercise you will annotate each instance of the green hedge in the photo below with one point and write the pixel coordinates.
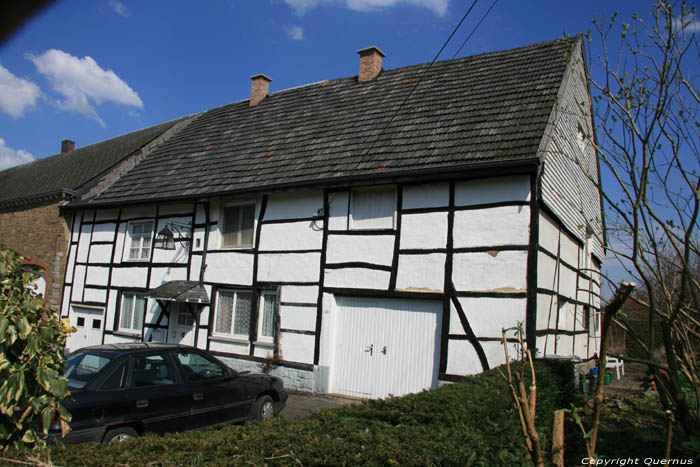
(466, 423)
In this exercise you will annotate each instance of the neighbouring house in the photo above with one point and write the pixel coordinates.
(367, 236)
(31, 194)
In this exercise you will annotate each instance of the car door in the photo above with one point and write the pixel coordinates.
(157, 396)
(217, 391)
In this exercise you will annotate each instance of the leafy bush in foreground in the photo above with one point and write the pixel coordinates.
(466, 423)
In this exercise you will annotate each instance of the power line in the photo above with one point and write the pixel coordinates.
(422, 75)
(475, 27)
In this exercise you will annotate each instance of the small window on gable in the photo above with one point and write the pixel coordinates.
(139, 241)
(373, 208)
(581, 138)
(237, 226)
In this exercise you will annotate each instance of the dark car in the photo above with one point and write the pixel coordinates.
(120, 391)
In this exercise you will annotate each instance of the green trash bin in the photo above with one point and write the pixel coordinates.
(608, 378)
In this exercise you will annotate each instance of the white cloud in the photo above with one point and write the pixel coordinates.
(119, 8)
(296, 33)
(82, 82)
(16, 94)
(437, 6)
(693, 26)
(10, 157)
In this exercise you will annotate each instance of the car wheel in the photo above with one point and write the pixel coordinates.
(263, 408)
(119, 435)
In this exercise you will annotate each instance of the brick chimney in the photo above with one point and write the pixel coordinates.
(370, 63)
(67, 146)
(259, 89)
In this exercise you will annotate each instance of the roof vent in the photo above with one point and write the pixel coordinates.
(67, 146)
(259, 89)
(370, 63)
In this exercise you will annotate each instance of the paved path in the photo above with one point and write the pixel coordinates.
(635, 379)
(304, 404)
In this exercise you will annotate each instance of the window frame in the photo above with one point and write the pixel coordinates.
(261, 313)
(131, 330)
(239, 205)
(231, 335)
(351, 207)
(130, 237)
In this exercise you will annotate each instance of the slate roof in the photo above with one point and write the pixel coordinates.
(492, 107)
(69, 171)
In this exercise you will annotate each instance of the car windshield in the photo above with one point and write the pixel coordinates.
(81, 368)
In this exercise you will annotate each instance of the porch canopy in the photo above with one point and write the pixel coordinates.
(180, 291)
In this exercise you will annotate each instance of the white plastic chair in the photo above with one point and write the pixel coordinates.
(619, 365)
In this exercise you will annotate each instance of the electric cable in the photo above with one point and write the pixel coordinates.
(475, 28)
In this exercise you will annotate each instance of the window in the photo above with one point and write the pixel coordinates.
(81, 368)
(132, 312)
(152, 370)
(140, 234)
(233, 313)
(237, 228)
(267, 316)
(373, 208)
(199, 368)
(116, 380)
(586, 317)
(581, 139)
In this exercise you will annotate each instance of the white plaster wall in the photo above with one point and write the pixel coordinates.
(111, 307)
(566, 316)
(424, 231)
(462, 359)
(338, 210)
(202, 339)
(547, 306)
(232, 347)
(495, 354)
(119, 339)
(119, 243)
(567, 282)
(129, 277)
(229, 268)
(505, 225)
(421, 272)
(134, 212)
(504, 272)
(299, 294)
(569, 250)
(455, 324)
(293, 204)
(177, 256)
(66, 301)
(488, 316)
(159, 276)
(374, 249)
(548, 234)
(492, 190)
(297, 347)
(428, 195)
(289, 267)
(263, 351)
(71, 263)
(565, 345)
(546, 272)
(101, 253)
(545, 344)
(298, 318)
(97, 275)
(305, 235)
(106, 214)
(78, 284)
(195, 266)
(84, 243)
(104, 232)
(357, 278)
(198, 238)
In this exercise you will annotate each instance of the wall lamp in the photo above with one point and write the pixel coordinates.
(172, 232)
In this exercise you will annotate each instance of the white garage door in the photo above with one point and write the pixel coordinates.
(88, 322)
(386, 347)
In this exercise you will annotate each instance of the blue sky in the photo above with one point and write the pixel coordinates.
(89, 70)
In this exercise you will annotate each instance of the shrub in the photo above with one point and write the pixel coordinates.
(467, 423)
(31, 359)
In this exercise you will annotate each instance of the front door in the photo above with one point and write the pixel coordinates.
(386, 347)
(88, 324)
(182, 319)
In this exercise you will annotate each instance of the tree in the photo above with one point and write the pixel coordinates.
(31, 359)
(645, 95)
